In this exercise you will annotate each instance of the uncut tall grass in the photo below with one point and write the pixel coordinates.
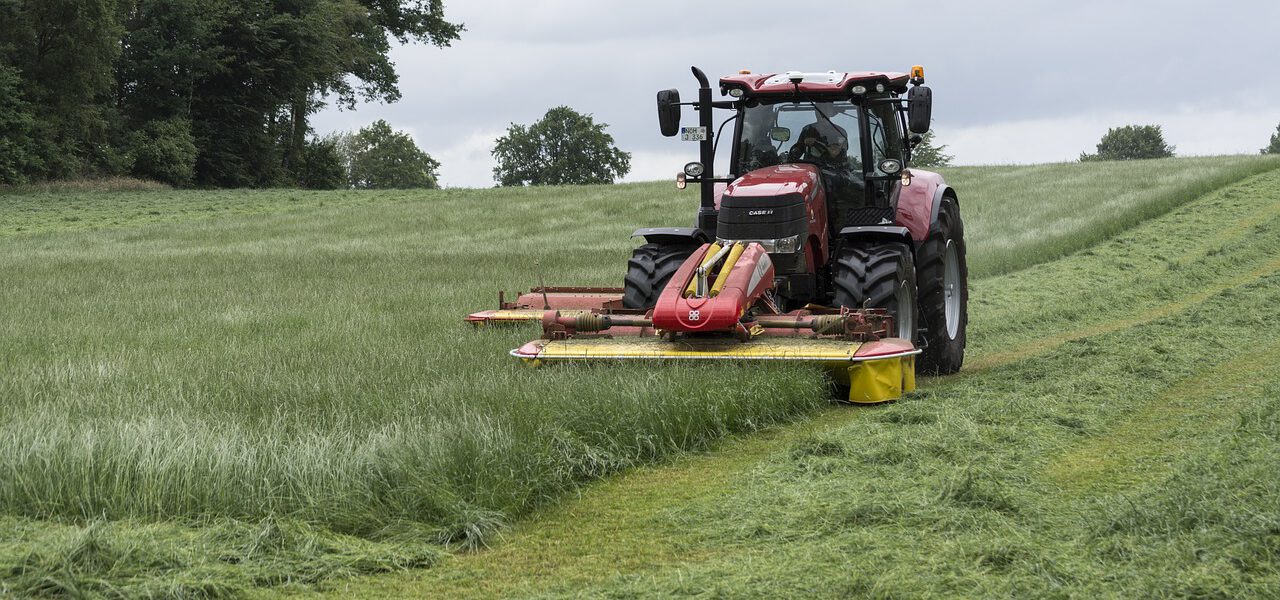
(309, 360)
(313, 364)
(1020, 216)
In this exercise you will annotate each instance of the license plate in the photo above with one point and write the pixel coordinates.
(693, 134)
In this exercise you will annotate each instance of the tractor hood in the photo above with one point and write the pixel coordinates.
(800, 182)
(770, 204)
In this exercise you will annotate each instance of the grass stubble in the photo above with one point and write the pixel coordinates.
(176, 394)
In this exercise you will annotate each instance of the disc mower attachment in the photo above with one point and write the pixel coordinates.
(530, 305)
(717, 306)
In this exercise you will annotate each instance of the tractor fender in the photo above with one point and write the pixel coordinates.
(691, 235)
(882, 233)
(918, 203)
(944, 191)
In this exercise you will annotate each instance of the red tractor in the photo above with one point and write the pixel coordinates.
(820, 245)
(819, 176)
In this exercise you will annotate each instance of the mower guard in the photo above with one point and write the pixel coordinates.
(873, 372)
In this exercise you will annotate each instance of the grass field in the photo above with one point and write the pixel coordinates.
(278, 389)
(1117, 435)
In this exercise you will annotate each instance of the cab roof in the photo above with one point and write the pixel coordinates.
(829, 82)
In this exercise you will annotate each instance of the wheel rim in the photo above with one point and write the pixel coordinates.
(951, 288)
(906, 316)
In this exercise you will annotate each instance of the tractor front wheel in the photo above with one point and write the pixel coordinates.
(650, 268)
(943, 275)
(878, 275)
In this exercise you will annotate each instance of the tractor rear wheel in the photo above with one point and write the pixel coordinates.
(878, 275)
(943, 277)
(650, 268)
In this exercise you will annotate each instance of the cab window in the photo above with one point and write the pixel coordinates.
(885, 134)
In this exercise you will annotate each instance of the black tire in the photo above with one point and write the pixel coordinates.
(878, 275)
(650, 268)
(945, 334)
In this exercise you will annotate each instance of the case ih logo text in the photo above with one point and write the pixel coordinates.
(756, 213)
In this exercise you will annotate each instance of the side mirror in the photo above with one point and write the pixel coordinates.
(779, 134)
(919, 109)
(669, 112)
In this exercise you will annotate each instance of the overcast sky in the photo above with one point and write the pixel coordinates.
(1013, 82)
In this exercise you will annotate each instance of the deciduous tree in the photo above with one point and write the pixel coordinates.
(927, 154)
(246, 75)
(1131, 142)
(385, 159)
(564, 147)
(17, 151)
(63, 51)
(1274, 146)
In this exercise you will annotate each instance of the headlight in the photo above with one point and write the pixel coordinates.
(890, 166)
(694, 169)
(735, 92)
(786, 245)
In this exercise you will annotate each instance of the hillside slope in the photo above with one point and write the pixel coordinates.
(1118, 436)
(203, 404)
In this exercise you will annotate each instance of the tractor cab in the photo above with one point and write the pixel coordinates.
(813, 155)
(857, 141)
(855, 128)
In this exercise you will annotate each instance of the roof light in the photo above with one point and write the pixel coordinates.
(736, 92)
(859, 89)
(879, 87)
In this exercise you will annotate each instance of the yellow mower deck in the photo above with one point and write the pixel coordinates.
(874, 371)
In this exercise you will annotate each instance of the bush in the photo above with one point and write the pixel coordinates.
(1131, 142)
(322, 168)
(164, 151)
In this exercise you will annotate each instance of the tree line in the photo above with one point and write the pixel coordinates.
(193, 92)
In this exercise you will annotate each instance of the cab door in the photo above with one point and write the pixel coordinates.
(884, 132)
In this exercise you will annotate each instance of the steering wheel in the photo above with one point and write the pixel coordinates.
(815, 148)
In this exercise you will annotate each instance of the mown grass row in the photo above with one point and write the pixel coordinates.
(1007, 484)
(308, 368)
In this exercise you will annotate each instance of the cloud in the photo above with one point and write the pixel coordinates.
(997, 69)
(468, 163)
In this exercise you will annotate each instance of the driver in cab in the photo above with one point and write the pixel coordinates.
(826, 145)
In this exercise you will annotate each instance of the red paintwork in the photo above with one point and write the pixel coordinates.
(801, 179)
(915, 202)
(774, 181)
(751, 276)
(758, 84)
(718, 193)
